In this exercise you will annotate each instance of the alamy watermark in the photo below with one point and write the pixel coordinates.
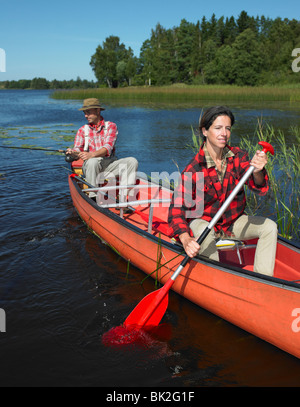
(188, 190)
(296, 322)
(2, 320)
(296, 62)
(2, 60)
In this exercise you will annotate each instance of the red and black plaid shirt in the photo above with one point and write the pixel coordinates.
(215, 192)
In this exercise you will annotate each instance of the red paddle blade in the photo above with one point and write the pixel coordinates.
(151, 309)
(146, 313)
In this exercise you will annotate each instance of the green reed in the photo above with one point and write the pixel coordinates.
(283, 169)
(185, 93)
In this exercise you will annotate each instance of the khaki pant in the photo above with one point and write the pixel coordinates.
(244, 228)
(96, 170)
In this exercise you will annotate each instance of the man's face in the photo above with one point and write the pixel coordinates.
(92, 115)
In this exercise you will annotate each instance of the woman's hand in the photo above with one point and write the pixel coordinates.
(190, 244)
(259, 161)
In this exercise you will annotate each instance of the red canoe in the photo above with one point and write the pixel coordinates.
(267, 307)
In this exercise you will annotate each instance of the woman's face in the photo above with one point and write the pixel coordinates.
(219, 132)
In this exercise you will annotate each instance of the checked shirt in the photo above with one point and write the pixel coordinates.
(215, 188)
(99, 137)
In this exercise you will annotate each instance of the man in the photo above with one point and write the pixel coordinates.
(95, 145)
(222, 167)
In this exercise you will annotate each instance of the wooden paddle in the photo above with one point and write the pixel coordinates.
(151, 309)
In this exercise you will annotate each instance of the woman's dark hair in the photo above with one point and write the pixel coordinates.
(210, 115)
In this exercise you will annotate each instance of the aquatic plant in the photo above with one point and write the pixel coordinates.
(185, 93)
(284, 174)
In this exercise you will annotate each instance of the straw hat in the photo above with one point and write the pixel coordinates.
(91, 103)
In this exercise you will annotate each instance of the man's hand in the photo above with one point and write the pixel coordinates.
(82, 155)
(73, 153)
(85, 155)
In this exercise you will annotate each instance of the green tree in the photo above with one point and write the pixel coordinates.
(230, 31)
(106, 59)
(39, 83)
(204, 29)
(279, 44)
(239, 64)
(209, 51)
(243, 21)
(220, 70)
(131, 69)
(247, 59)
(162, 53)
(184, 41)
(146, 58)
(197, 55)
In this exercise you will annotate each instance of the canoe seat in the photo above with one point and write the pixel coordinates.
(137, 206)
(234, 244)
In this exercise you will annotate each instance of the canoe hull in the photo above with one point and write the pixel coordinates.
(263, 306)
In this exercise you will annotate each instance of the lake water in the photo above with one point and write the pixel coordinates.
(62, 289)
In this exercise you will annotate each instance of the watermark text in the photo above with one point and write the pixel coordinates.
(2, 320)
(296, 62)
(296, 321)
(188, 191)
(2, 60)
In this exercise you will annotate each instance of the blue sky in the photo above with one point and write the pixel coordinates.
(56, 39)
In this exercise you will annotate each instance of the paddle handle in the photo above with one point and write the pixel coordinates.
(266, 148)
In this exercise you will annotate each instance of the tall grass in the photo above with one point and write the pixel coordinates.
(283, 169)
(186, 93)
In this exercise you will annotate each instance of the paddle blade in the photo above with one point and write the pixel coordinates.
(149, 312)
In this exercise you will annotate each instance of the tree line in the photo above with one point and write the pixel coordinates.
(244, 51)
(43, 83)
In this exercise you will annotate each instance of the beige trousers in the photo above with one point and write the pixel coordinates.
(96, 170)
(244, 228)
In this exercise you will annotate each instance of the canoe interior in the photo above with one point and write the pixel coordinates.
(287, 256)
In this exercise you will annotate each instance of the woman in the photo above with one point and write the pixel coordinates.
(222, 167)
